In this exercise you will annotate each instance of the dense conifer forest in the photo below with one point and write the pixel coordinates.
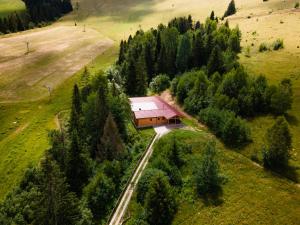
(38, 13)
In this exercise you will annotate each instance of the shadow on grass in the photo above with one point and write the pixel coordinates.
(214, 198)
(289, 172)
(292, 120)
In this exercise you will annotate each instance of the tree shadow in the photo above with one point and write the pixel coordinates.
(289, 172)
(292, 120)
(115, 10)
(214, 198)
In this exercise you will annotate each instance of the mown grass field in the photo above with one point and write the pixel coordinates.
(245, 197)
(10, 6)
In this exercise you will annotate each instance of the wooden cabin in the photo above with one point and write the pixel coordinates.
(153, 111)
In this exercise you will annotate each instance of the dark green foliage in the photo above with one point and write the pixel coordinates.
(144, 183)
(111, 145)
(77, 166)
(182, 24)
(198, 50)
(58, 149)
(231, 129)
(160, 203)
(207, 175)
(231, 9)
(57, 205)
(281, 97)
(278, 145)
(197, 97)
(215, 61)
(98, 195)
(185, 84)
(184, 53)
(76, 112)
(160, 83)
(278, 44)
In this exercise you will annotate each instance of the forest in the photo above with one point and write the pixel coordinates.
(90, 160)
(38, 13)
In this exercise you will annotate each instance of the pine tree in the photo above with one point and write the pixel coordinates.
(160, 203)
(141, 76)
(278, 145)
(215, 62)
(212, 15)
(76, 112)
(198, 51)
(111, 145)
(58, 206)
(121, 53)
(184, 52)
(77, 170)
(231, 9)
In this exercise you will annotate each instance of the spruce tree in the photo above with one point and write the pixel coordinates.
(278, 145)
(160, 203)
(198, 50)
(184, 52)
(141, 76)
(231, 9)
(57, 205)
(111, 145)
(212, 15)
(215, 62)
(121, 53)
(76, 112)
(77, 170)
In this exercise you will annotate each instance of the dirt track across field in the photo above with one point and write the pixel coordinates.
(54, 55)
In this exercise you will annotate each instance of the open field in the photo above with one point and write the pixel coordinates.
(245, 197)
(50, 60)
(10, 6)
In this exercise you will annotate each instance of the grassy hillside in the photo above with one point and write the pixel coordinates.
(245, 197)
(9, 6)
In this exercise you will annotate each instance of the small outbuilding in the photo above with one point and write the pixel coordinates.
(153, 111)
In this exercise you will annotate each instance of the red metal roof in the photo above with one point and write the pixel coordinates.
(151, 107)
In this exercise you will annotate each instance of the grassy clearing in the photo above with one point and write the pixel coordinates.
(24, 142)
(246, 194)
(9, 6)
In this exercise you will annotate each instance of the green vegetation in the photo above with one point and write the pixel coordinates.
(245, 190)
(297, 5)
(230, 10)
(9, 6)
(159, 83)
(37, 13)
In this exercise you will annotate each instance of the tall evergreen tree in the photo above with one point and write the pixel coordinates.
(76, 112)
(111, 145)
(231, 9)
(57, 206)
(77, 170)
(141, 76)
(215, 62)
(198, 50)
(184, 53)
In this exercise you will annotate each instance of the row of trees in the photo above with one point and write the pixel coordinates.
(84, 170)
(37, 13)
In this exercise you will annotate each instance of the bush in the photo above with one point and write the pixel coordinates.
(278, 44)
(232, 130)
(297, 5)
(160, 83)
(278, 145)
(263, 47)
(231, 9)
(207, 176)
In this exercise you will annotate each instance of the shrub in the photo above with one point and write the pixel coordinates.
(278, 44)
(263, 47)
(160, 83)
(230, 10)
(232, 130)
(278, 145)
(297, 5)
(207, 176)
